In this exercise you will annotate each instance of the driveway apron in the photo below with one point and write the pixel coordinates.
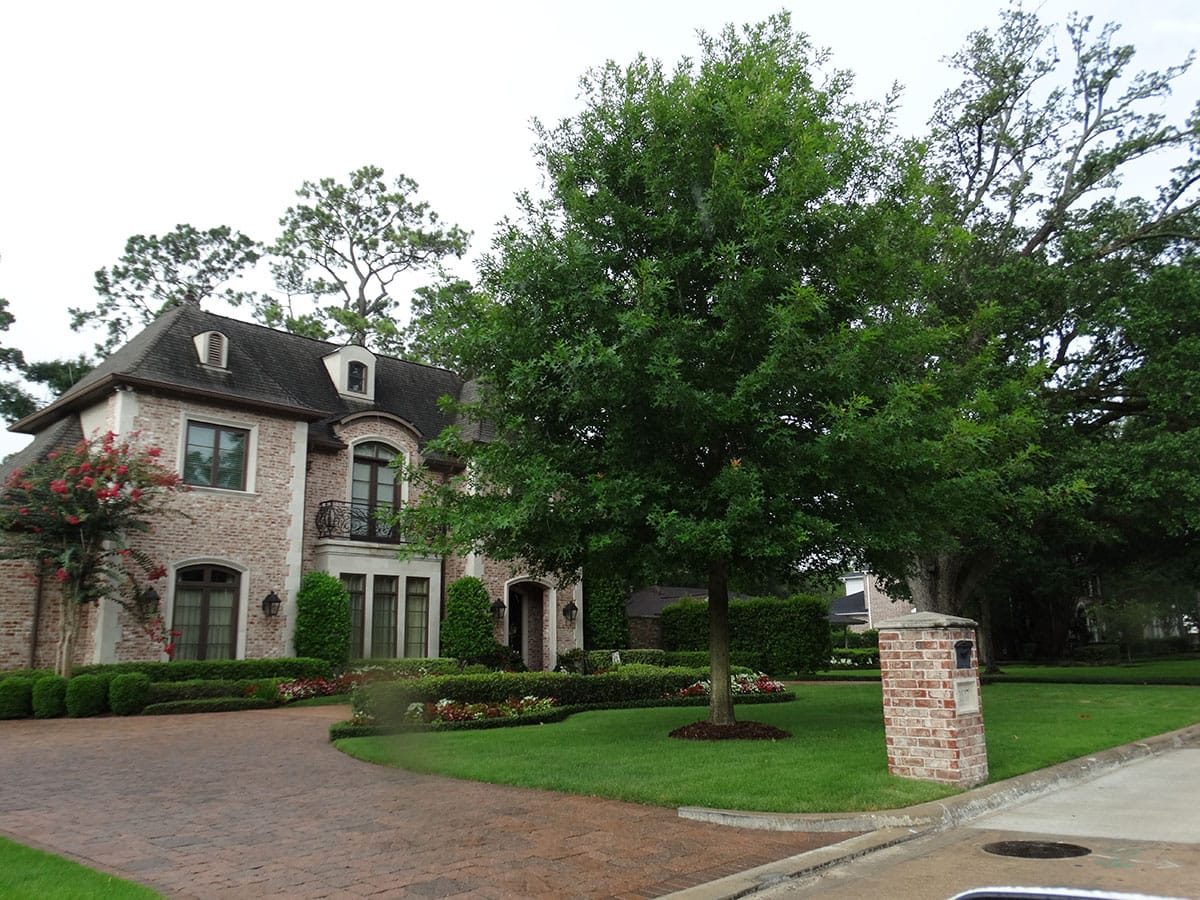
(261, 804)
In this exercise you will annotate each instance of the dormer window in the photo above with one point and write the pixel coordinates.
(213, 349)
(353, 371)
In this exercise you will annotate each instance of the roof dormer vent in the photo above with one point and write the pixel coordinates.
(213, 349)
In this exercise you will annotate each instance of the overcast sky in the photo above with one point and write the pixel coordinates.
(123, 118)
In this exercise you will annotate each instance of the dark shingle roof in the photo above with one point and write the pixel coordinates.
(266, 369)
(66, 432)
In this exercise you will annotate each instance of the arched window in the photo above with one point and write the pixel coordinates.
(373, 490)
(206, 612)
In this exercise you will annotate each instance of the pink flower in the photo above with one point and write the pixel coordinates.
(59, 487)
(135, 494)
(53, 454)
(154, 451)
(72, 520)
(61, 574)
(122, 469)
(24, 510)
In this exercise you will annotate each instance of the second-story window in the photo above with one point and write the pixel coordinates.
(373, 485)
(215, 456)
(356, 378)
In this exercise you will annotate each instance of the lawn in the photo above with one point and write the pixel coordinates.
(28, 874)
(1179, 670)
(834, 762)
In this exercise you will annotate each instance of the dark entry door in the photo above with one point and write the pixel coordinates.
(516, 623)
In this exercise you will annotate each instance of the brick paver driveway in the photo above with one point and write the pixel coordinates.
(260, 804)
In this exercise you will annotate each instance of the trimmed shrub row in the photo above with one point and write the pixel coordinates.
(16, 698)
(351, 729)
(387, 701)
(696, 659)
(784, 636)
(211, 704)
(223, 669)
(413, 666)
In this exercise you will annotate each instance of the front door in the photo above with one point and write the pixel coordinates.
(516, 623)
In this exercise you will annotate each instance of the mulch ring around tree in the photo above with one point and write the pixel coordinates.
(738, 731)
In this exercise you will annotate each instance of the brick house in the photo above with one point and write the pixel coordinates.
(286, 442)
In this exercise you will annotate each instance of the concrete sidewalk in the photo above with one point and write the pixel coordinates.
(1135, 808)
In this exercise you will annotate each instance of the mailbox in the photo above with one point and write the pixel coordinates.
(962, 654)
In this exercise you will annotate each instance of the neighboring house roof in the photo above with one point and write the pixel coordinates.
(849, 610)
(267, 369)
(649, 601)
(63, 433)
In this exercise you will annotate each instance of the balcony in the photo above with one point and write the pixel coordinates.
(355, 522)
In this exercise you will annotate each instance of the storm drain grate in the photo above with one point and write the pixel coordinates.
(1036, 849)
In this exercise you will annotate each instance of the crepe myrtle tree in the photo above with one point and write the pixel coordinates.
(657, 353)
(72, 514)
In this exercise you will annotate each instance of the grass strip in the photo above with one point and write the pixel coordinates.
(835, 762)
(29, 874)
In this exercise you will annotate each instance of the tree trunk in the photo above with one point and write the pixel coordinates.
(945, 582)
(68, 634)
(720, 706)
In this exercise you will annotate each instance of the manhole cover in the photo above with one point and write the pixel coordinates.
(1036, 849)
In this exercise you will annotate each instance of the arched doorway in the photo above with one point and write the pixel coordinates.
(527, 622)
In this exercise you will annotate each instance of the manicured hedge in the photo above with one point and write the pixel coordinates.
(323, 619)
(129, 693)
(50, 697)
(387, 701)
(854, 658)
(213, 704)
(692, 659)
(340, 730)
(87, 695)
(468, 630)
(412, 666)
(222, 669)
(784, 636)
(16, 698)
(31, 674)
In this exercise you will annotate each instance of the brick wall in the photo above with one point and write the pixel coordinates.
(932, 733)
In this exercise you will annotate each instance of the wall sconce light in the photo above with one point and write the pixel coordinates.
(570, 611)
(498, 608)
(150, 597)
(271, 604)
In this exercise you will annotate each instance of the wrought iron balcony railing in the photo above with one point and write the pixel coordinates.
(355, 522)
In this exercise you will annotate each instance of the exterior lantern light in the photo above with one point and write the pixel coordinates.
(271, 604)
(570, 611)
(498, 608)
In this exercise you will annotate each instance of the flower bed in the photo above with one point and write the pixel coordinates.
(452, 711)
(739, 685)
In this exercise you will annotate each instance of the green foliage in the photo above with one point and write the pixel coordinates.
(408, 666)
(16, 698)
(216, 669)
(49, 697)
(128, 694)
(853, 658)
(387, 701)
(33, 674)
(344, 247)
(604, 621)
(323, 620)
(155, 273)
(1097, 654)
(468, 630)
(782, 636)
(87, 695)
(213, 704)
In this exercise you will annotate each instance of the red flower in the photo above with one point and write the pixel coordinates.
(24, 510)
(135, 495)
(87, 481)
(122, 469)
(153, 451)
(59, 487)
(61, 574)
(73, 520)
(157, 572)
(53, 454)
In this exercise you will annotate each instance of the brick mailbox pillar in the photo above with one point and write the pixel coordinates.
(932, 715)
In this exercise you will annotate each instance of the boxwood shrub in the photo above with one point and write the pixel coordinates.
(786, 636)
(387, 701)
(16, 698)
(323, 619)
(211, 704)
(208, 689)
(129, 693)
(50, 697)
(87, 695)
(222, 669)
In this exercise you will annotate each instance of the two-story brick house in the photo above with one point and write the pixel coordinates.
(286, 443)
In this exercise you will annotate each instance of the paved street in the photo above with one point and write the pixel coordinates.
(260, 804)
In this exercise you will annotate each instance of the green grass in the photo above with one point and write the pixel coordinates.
(835, 761)
(1185, 670)
(28, 874)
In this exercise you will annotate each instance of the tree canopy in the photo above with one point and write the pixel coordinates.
(666, 324)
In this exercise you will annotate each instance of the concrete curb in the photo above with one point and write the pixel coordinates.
(890, 827)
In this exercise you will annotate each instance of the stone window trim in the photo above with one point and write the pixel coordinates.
(243, 599)
(249, 470)
(390, 443)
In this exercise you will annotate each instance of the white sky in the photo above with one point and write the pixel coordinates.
(123, 117)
